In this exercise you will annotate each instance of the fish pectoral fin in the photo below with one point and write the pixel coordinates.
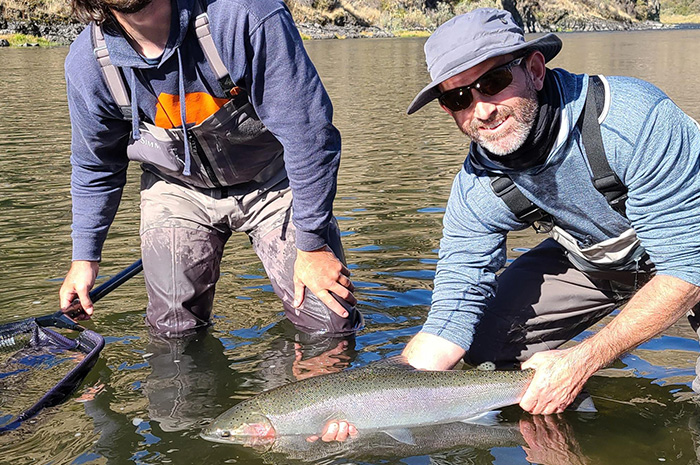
(489, 418)
(583, 403)
(402, 435)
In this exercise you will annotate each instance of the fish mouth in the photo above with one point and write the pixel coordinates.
(216, 436)
(256, 435)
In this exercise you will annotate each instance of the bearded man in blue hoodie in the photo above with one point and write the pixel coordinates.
(224, 110)
(609, 166)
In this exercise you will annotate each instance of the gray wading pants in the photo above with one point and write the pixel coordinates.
(543, 301)
(183, 233)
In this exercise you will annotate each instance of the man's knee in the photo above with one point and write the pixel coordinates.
(277, 250)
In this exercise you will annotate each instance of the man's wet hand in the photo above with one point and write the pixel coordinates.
(559, 377)
(322, 272)
(75, 291)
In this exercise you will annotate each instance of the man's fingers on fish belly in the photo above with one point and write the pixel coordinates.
(528, 402)
(342, 431)
(330, 432)
(338, 431)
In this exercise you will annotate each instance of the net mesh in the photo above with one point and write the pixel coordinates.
(39, 368)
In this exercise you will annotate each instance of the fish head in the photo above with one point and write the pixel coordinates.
(252, 429)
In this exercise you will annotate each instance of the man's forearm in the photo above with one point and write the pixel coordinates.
(561, 374)
(426, 351)
(653, 309)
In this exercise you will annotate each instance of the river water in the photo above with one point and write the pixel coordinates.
(146, 400)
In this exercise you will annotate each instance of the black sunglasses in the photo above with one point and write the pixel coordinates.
(490, 83)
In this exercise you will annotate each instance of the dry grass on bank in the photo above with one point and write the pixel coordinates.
(669, 18)
(410, 17)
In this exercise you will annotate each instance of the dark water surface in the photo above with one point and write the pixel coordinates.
(146, 400)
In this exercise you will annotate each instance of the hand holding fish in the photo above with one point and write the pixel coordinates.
(336, 430)
(559, 377)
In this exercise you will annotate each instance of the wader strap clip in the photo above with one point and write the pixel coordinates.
(604, 178)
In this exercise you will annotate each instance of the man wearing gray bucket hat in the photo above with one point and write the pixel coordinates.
(608, 166)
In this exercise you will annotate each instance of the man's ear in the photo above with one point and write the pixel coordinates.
(536, 67)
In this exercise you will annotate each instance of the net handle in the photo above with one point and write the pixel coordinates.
(62, 320)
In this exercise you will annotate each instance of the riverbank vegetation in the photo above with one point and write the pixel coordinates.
(24, 40)
(49, 20)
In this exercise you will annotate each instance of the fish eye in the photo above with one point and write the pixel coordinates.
(225, 433)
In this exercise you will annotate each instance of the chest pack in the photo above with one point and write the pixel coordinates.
(230, 148)
(602, 176)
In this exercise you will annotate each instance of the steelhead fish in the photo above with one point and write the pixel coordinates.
(371, 398)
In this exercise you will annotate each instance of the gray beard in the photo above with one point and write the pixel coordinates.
(524, 116)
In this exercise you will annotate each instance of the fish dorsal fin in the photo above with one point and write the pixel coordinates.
(397, 362)
(486, 366)
(402, 435)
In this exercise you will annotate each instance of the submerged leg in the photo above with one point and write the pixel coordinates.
(181, 259)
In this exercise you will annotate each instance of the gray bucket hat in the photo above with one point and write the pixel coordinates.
(469, 39)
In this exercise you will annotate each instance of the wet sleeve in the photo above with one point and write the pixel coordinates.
(663, 180)
(291, 101)
(99, 165)
(471, 252)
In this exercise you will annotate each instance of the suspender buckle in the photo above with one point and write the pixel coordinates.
(521, 206)
(100, 52)
(609, 183)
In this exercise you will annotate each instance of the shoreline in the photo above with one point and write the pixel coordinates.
(58, 34)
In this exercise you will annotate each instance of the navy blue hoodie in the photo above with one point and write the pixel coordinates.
(262, 51)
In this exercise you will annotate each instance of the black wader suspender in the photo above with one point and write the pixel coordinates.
(604, 179)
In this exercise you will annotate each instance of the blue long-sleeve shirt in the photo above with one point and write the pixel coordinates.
(263, 52)
(652, 146)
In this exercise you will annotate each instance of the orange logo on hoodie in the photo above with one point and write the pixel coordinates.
(199, 106)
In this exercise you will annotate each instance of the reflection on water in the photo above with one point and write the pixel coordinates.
(146, 399)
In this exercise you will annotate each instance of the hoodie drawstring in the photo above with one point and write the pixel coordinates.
(136, 132)
(183, 114)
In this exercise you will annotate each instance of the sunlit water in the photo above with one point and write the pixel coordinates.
(146, 400)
